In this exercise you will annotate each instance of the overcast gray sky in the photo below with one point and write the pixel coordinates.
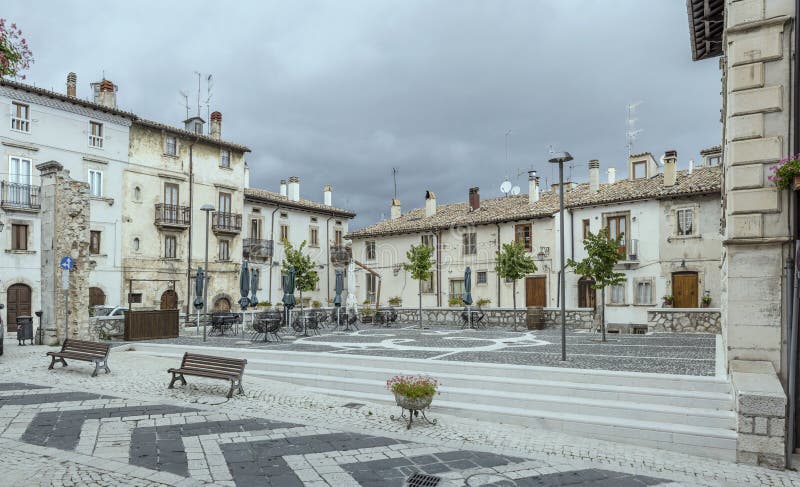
(340, 92)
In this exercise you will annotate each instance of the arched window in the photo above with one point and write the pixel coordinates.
(137, 193)
(96, 297)
(136, 243)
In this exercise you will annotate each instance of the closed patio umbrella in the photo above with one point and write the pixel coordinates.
(337, 299)
(244, 286)
(467, 298)
(198, 296)
(253, 288)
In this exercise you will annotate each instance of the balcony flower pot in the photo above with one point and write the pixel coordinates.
(786, 174)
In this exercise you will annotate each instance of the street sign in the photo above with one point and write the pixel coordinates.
(64, 279)
(67, 263)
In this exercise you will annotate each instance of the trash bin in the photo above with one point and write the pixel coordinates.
(24, 329)
(534, 318)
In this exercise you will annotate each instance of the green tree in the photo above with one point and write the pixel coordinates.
(15, 55)
(419, 265)
(514, 264)
(602, 254)
(305, 275)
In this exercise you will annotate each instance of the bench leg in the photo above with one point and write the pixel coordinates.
(52, 362)
(105, 366)
(176, 377)
(230, 392)
(96, 368)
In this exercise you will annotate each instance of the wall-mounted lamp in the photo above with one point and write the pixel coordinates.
(683, 264)
(1, 226)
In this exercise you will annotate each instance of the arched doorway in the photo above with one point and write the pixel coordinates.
(96, 297)
(587, 295)
(222, 304)
(169, 299)
(18, 303)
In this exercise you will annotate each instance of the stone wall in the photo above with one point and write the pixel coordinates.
(106, 328)
(702, 320)
(495, 317)
(760, 405)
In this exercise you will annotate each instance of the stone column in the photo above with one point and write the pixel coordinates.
(757, 133)
(65, 231)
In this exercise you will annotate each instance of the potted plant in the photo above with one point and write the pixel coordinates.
(367, 312)
(482, 302)
(786, 174)
(316, 304)
(454, 301)
(667, 299)
(413, 392)
(395, 301)
(706, 301)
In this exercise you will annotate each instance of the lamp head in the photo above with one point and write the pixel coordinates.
(207, 207)
(560, 157)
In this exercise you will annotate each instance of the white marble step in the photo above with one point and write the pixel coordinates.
(694, 440)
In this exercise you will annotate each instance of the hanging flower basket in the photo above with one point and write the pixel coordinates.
(786, 174)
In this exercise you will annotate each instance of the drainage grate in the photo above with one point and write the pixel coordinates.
(423, 480)
(353, 405)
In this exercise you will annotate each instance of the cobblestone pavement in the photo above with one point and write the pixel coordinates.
(668, 353)
(62, 427)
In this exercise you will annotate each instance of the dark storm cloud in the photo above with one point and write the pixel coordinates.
(340, 92)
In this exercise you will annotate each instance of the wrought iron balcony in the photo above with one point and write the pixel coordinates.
(257, 250)
(341, 255)
(172, 216)
(16, 196)
(226, 222)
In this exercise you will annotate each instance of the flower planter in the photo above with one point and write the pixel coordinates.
(796, 182)
(413, 404)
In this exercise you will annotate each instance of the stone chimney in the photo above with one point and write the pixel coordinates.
(670, 167)
(612, 175)
(108, 94)
(72, 85)
(283, 187)
(327, 195)
(594, 176)
(294, 188)
(216, 125)
(474, 198)
(533, 187)
(691, 166)
(396, 211)
(430, 203)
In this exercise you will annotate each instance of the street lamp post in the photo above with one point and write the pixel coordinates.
(560, 158)
(208, 209)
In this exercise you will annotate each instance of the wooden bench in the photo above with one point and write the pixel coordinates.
(94, 352)
(212, 367)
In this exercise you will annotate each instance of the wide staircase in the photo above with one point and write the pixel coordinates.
(682, 413)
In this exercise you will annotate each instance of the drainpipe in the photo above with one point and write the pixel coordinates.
(439, 269)
(328, 249)
(498, 275)
(191, 220)
(572, 232)
(272, 236)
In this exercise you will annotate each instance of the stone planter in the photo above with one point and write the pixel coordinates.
(413, 404)
(666, 305)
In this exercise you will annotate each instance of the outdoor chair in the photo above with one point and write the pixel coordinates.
(476, 314)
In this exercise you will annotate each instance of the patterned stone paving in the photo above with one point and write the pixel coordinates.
(183, 445)
(687, 354)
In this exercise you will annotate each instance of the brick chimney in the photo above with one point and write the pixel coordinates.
(612, 175)
(216, 125)
(72, 85)
(430, 203)
(474, 198)
(670, 167)
(327, 195)
(283, 187)
(594, 176)
(533, 187)
(396, 210)
(294, 188)
(108, 94)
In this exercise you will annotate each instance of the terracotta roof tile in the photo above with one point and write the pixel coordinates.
(703, 180)
(262, 195)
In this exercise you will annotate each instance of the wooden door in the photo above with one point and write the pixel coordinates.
(536, 291)
(96, 297)
(684, 290)
(18, 303)
(169, 299)
(618, 228)
(587, 295)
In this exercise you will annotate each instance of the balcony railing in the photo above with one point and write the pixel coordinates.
(257, 249)
(173, 216)
(341, 255)
(16, 196)
(226, 222)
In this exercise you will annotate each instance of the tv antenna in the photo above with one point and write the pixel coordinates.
(209, 86)
(508, 134)
(394, 177)
(631, 132)
(185, 101)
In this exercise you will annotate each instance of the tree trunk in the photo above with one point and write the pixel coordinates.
(514, 299)
(603, 314)
(420, 303)
(302, 316)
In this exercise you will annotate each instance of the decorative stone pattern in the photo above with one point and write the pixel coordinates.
(761, 414)
(105, 328)
(496, 317)
(707, 320)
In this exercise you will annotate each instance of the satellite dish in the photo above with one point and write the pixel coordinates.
(515, 190)
(505, 187)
